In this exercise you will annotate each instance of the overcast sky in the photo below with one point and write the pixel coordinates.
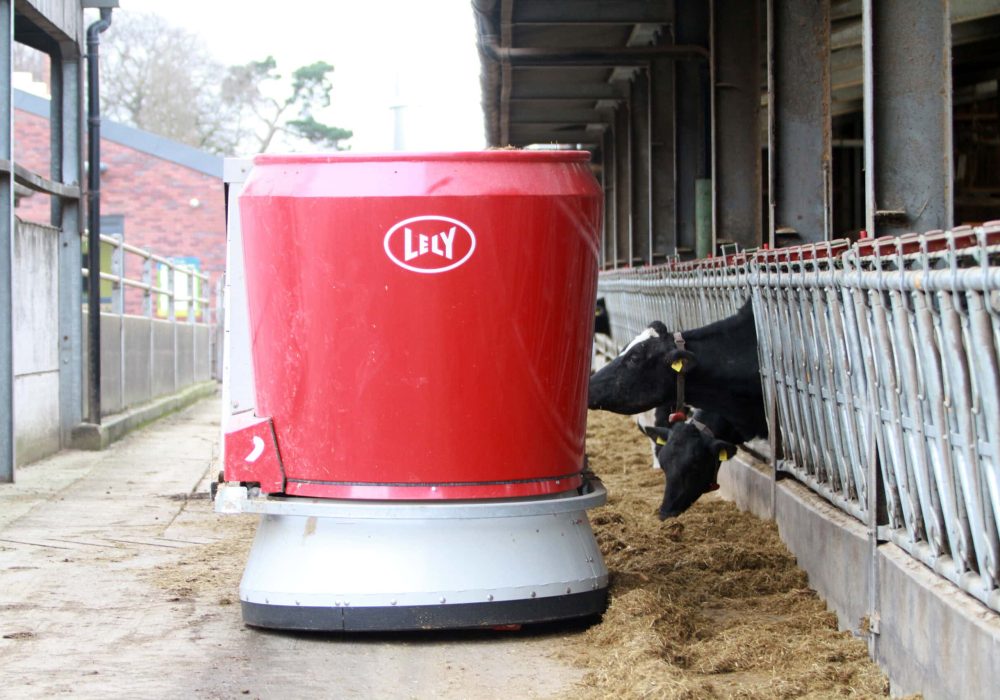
(426, 46)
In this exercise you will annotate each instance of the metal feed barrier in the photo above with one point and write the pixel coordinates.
(811, 360)
(888, 347)
(682, 295)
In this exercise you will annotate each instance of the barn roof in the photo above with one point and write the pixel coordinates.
(554, 70)
(137, 139)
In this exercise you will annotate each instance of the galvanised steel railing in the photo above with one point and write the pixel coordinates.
(889, 348)
(811, 365)
(929, 307)
(682, 295)
(176, 301)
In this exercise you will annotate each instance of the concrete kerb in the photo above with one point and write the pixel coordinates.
(933, 638)
(88, 436)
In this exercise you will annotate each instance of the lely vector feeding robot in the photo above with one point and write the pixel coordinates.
(407, 358)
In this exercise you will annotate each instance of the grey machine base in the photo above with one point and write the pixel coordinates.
(323, 564)
(427, 617)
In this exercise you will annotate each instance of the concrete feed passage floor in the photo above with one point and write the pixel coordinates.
(118, 580)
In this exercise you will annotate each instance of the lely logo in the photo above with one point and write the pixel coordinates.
(429, 244)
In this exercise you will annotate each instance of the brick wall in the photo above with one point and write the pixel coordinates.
(152, 194)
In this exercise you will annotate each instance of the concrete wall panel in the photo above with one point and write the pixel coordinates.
(148, 376)
(935, 639)
(163, 358)
(111, 369)
(831, 546)
(185, 355)
(929, 636)
(36, 299)
(36, 398)
(747, 485)
(202, 354)
(35, 308)
(138, 382)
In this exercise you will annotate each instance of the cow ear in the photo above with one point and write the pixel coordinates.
(723, 450)
(660, 329)
(680, 361)
(657, 434)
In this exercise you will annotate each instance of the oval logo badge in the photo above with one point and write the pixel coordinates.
(429, 244)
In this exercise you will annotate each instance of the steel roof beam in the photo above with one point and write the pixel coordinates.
(534, 55)
(590, 12)
(544, 115)
(568, 91)
(847, 34)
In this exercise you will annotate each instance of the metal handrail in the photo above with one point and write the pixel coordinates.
(148, 256)
(197, 304)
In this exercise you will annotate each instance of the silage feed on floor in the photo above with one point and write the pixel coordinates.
(708, 605)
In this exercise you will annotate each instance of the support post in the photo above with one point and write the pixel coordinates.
(736, 171)
(799, 100)
(6, 244)
(610, 171)
(691, 141)
(910, 55)
(623, 186)
(662, 161)
(67, 167)
(704, 240)
(642, 244)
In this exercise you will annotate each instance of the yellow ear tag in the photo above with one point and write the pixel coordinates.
(723, 455)
(660, 441)
(677, 365)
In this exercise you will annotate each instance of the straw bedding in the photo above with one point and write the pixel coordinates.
(708, 605)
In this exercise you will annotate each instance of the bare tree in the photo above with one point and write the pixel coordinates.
(162, 79)
(29, 60)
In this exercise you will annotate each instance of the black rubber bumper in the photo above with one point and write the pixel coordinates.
(426, 617)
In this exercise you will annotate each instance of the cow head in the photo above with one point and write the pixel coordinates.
(643, 376)
(690, 461)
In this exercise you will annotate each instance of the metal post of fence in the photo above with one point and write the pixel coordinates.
(118, 261)
(148, 305)
(191, 314)
(172, 315)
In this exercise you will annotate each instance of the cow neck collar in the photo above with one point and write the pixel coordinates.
(680, 407)
(707, 432)
(702, 428)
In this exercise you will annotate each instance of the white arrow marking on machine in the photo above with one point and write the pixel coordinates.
(257, 451)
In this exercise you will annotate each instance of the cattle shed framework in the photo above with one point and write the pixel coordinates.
(719, 127)
(56, 28)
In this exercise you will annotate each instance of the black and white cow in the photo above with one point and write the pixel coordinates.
(720, 367)
(690, 453)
